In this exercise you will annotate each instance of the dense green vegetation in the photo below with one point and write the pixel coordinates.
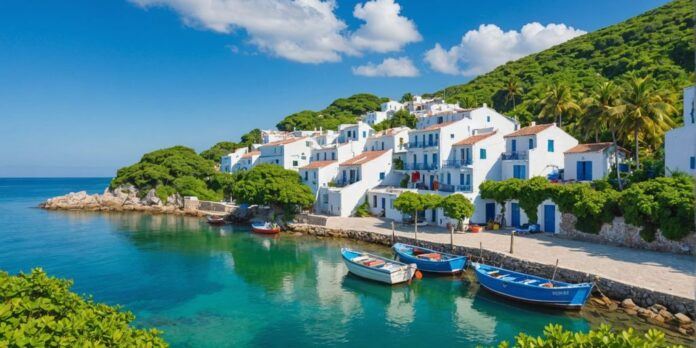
(168, 170)
(605, 336)
(225, 147)
(40, 311)
(457, 207)
(270, 184)
(343, 110)
(664, 203)
(657, 43)
(400, 118)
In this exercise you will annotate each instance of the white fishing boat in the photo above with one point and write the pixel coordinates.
(377, 268)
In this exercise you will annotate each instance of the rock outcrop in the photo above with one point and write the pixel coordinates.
(126, 198)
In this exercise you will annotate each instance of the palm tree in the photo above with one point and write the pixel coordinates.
(644, 111)
(558, 100)
(512, 91)
(600, 114)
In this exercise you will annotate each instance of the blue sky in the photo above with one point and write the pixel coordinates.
(89, 86)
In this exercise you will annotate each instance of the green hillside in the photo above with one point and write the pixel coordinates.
(659, 42)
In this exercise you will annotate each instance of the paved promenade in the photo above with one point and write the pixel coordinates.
(668, 273)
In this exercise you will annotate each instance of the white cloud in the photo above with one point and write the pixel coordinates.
(384, 29)
(482, 50)
(305, 31)
(390, 67)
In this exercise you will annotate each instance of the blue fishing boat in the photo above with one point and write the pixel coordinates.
(429, 260)
(531, 289)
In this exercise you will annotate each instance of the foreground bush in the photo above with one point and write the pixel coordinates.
(37, 310)
(556, 336)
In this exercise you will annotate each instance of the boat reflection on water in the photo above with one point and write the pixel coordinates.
(397, 300)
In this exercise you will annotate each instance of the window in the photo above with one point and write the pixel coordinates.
(381, 175)
(692, 165)
(294, 163)
(364, 134)
(333, 156)
(549, 145)
(513, 144)
(488, 119)
(317, 156)
(382, 145)
(531, 143)
(482, 154)
(374, 201)
(276, 162)
(452, 136)
(314, 174)
(306, 176)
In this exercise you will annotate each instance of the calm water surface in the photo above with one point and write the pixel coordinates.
(222, 286)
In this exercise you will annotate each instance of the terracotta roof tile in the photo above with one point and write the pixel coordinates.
(284, 141)
(593, 147)
(364, 158)
(530, 130)
(318, 164)
(474, 139)
(251, 154)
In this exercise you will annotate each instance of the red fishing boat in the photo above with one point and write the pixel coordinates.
(265, 228)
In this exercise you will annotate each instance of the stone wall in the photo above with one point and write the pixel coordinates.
(623, 234)
(616, 290)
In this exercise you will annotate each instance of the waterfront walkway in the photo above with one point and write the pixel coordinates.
(664, 272)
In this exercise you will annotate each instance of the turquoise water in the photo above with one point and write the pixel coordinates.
(210, 286)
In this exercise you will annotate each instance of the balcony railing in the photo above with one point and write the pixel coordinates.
(343, 183)
(455, 188)
(420, 166)
(515, 156)
(457, 163)
(416, 145)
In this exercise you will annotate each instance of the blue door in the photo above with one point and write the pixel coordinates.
(515, 212)
(519, 171)
(490, 211)
(384, 203)
(550, 218)
(588, 170)
(584, 170)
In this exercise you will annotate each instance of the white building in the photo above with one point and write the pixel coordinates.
(338, 151)
(587, 162)
(319, 174)
(536, 150)
(355, 177)
(247, 161)
(291, 153)
(227, 162)
(482, 117)
(680, 143)
(269, 135)
(386, 111)
(358, 132)
(395, 139)
(419, 106)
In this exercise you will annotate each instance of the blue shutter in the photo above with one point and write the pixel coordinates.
(580, 171)
(588, 170)
(482, 153)
(531, 143)
(692, 165)
(550, 145)
(514, 145)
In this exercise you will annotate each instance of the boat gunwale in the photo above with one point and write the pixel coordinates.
(567, 286)
(453, 256)
(403, 266)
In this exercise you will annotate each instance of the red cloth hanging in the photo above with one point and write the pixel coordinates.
(415, 176)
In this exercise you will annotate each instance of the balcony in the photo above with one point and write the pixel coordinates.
(420, 166)
(457, 163)
(455, 188)
(515, 156)
(416, 145)
(343, 183)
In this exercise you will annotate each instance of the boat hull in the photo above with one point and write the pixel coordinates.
(264, 229)
(396, 277)
(453, 265)
(572, 296)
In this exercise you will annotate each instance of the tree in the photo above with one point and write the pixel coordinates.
(458, 207)
(558, 101)
(512, 91)
(600, 113)
(401, 118)
(407, 97)
(191, 186)
(218, 150)
(410, 203)
(40, 311)
(270, 184)
(252, 137)
(644, 111)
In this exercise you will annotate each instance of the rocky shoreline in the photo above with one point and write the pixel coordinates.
(122, 199)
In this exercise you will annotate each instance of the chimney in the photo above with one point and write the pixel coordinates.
(533, 123)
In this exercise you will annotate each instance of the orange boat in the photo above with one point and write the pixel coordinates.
(265, 228)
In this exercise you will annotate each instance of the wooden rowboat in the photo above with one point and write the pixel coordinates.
(377, 268)
(531, 289)
(265, 228)
(215, 220)
(429, 260)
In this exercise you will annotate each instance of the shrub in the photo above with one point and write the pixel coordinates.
(556, 336)
(591, 207)
(270, 184)
(531, 194)
(457, 207)
(363, 210)
(41, 311)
